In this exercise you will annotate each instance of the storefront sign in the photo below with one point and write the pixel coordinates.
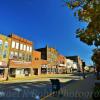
(3, 64)
(44, 66)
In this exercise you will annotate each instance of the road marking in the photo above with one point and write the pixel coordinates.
(26, 87)
(2, 93)
(17, 89)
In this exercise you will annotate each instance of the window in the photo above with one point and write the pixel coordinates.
(27, 48)
(13, 44)
(6, 44)
(16, 55)
(20, 56)
(23, 56)
(21, 46)
(17, 45)
(11, 54)
(24, 47)
(1, 47)
(30, 58)
(5, 54)
(27, 57)
(30, 49)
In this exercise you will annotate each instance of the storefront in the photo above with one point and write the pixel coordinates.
(43, 69)
(19, 72)
(3, 71)
(19, 68)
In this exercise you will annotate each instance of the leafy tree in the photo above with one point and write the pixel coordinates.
(88, 11)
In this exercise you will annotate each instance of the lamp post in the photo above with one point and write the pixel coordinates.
(83, 65)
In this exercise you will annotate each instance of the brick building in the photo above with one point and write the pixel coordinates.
(39, 65)
(49, 54)
(61, 64)
(20, 62)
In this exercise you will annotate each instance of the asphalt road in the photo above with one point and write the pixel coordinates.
(27, 90)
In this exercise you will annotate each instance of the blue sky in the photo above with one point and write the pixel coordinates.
(44, 22)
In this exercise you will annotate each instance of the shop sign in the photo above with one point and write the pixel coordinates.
(3, 64)
(44, 66)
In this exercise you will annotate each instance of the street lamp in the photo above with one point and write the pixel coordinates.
(83, 65)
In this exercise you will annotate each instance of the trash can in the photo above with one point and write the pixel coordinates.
(55, 86)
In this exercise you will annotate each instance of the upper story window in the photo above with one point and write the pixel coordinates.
(11, 54)
(21, 46)
(5, 54)
(1, 47)
(30, 49)
(24, 47)
(16, 55)
(20, 56)
(6, 44)
(1, 42)
(27, 48)
(13, 44)
(17, 45)
(30, 58)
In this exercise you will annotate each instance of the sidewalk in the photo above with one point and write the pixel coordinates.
(79, 90)
(62, 77)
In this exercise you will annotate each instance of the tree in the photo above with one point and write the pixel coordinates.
(88, 11)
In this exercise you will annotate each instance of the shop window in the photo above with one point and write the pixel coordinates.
(13, 44)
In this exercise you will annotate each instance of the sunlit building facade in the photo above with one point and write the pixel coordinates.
(20, 62)
(4, 55)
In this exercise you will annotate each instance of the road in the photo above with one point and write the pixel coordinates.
(27, 90)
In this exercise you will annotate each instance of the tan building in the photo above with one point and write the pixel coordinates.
(20, 62)
(77, 60)
(4, 56)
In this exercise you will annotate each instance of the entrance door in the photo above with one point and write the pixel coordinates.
(35, 71)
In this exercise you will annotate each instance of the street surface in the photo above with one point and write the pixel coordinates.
(77, 90)
(29, 90)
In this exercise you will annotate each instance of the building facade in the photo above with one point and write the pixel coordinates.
(61, 60)
(4, 55)
(20, 61)
(50, 54)
(77, 60)
(39, 65)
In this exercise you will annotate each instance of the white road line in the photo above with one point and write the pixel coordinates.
(17, 89)
(2, 93)
(24, 86)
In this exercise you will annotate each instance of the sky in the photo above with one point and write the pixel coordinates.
(44, 22)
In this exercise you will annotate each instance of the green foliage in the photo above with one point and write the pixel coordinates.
(87, 11)
(96, 56)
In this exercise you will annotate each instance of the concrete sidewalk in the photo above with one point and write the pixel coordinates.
(79, 90)
(62, 78)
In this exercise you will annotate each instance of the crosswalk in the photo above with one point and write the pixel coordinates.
(29, 90)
